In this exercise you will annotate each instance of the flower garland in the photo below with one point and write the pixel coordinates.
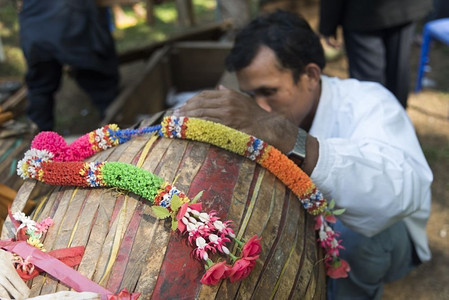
(52, 161)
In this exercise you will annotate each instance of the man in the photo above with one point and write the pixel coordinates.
(65, 32)
(378, 35)
(360, 147)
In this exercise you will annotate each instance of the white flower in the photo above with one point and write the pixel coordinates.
(25, 220)
(225, 250)
(204, 217)
(193, 212)
(200, 242)
(190, 227)
(219, 225)
(213, 238)
(323, 235)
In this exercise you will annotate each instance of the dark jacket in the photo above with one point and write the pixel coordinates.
(369, 15)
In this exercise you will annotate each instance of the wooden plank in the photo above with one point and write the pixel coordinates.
(297, 255)
(52, 237)
(135, 207)
(158, 235)
(94, 261)
(16, 103)
(265, 222)
(212, 31)
(279, 252)
(155, 156)
(268, 195)
(305, 284)
(48, 209)
(136, 261)
(122, 258)
(217, 179)
(160, 231)
(198, 65)
(246, 178)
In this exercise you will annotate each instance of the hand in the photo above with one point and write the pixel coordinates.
(240, 112)
(11, 285)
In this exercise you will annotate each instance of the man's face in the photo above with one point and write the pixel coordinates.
(274, 89)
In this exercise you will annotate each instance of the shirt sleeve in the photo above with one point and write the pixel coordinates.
(375, 169)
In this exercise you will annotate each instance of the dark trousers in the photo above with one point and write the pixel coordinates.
(382, 56)
(43, 80)
(374, 261)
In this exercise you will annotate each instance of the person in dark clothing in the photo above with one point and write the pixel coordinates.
(64, 32)
(377, 36)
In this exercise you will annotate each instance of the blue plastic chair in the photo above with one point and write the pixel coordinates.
(433, 30)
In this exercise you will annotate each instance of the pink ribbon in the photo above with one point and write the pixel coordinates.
(54, 267)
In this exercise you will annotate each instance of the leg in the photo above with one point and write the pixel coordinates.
(366, 55)
(384, 257)
(102, 88)
(397, 43)
(42, 79)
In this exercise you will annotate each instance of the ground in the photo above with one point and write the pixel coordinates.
(429, 112)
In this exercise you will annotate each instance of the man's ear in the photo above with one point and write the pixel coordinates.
(313, 73)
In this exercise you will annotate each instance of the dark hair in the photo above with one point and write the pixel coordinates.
(287, 34)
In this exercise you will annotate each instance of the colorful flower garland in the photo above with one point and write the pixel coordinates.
(52, 161)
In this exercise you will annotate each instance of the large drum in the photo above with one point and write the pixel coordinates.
(127, 247)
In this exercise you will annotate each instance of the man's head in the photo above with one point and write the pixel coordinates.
(288, 35)
(278, 61)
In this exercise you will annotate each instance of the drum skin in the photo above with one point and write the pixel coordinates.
(127, 247)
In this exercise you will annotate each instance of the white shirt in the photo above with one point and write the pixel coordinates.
(370, 161)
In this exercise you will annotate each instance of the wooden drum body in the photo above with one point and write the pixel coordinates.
(127, 247)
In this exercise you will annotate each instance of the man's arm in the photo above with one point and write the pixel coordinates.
(240, 112)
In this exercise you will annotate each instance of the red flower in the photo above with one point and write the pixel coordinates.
(124, 295)
(338, 269)
(252, 248)
(241, 269)
(215, 273)
(331, 219)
